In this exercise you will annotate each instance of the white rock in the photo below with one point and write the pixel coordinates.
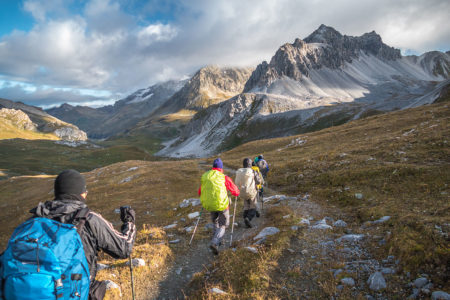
(304, 222)
(216, 291)
(358, 196)
(189, 229)
(322, 225)
(382, 220)
(286, 216)
(351, 238)
(348, 281)
(295, 228)
(117, 210)
(266, 232)
(128, 179)
(185, 203)
(132, 169)
(112, 285)
(439, 295)
(137, 262)
(170, 226)
(193, 215)
(102, 266)
(388, 271)
(340, 223)
(304, 252)
(252, 249)
(175, 241)
(195, 201)
(376, 281)
(178, 271)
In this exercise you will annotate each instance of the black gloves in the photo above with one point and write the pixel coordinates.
(127, 214)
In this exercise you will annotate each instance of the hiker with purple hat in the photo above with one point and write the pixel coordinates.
(214, 198)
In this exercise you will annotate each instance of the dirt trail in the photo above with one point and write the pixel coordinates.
(199, 256)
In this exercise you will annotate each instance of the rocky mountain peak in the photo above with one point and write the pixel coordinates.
(324, 48)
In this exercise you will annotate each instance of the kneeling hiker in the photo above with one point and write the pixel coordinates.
(247, 180)
(214, 198)
(48, 259)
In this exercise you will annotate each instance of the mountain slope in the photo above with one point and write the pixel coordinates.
(124, 114)
(325, 80)
(29, 122)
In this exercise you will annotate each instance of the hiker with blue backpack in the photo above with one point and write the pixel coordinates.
(263, 166)
(53, 255)
(214, 198)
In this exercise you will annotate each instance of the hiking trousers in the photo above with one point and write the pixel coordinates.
(250, 207)
(221, 220)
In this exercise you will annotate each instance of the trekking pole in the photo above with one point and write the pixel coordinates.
(195, 229)
(232, 225)
(132, 280)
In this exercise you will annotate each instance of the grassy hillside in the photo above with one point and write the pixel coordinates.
(399, 162)
(9, 131)
(31, 157)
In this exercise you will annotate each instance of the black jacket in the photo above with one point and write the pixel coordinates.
(97, 233)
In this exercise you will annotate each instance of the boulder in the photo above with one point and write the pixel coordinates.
(112, 285)
(322, 225)
(137, 262)
(193, 215)
(376, 281)
(350, 238)
(439, 295)
(420, 282)
(340, 223)
(266, 232)
(348, 281)
(217, 291)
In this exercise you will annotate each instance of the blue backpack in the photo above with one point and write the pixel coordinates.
(45, 260)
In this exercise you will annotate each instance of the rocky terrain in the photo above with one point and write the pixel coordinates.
(30, 118)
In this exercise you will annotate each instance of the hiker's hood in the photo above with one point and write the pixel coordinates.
(58, 209)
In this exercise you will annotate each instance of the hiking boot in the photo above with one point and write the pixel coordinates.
(247, 223)
(257, 214)
(214, 249)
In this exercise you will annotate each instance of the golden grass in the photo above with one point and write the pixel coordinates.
(8, 131)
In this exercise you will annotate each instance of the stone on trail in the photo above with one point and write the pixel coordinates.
(252, 249)
(189, 229)
(340, 223)
(266, 232)
(322, 225)
(102, 266)
(193, 215)
(350, 238)
(358, 196)
(439, 295)
(217, 291)
(286, 216)
(420, 282)
(112, 285)
(348, 281)
(136, 262)
(170, 226)
(382, 220)
(304, 222)
(376, 281)
(175, 241)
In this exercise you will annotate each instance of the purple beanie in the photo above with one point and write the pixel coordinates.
(218, 163)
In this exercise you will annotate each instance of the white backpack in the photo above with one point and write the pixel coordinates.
(245, 181)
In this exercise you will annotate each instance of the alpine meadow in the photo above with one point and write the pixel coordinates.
(149, 151)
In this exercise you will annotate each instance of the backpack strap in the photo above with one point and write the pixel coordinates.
(80, 219)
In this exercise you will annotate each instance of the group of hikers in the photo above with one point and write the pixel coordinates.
(248, 186)
(53, 255)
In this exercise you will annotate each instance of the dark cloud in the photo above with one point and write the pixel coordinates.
(120, 46)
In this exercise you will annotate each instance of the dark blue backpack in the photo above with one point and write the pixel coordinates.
(45, 260)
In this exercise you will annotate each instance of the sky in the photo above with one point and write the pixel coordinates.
(94, 52)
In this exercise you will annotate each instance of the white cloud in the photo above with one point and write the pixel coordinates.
(108, 48)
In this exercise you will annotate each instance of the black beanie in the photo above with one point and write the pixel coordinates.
(70, 182)
(247, 163)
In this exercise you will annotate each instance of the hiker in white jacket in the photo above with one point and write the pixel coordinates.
(247, 180)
